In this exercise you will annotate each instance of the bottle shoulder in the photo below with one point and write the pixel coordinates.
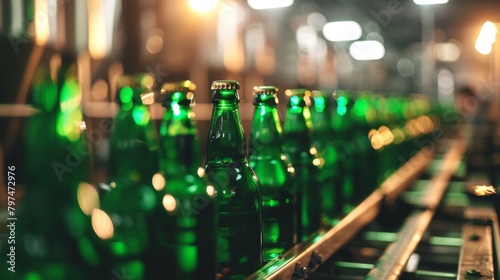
(233, 177)
(273, 173)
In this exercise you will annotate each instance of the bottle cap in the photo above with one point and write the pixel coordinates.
(139, 89)
(225, 84)
(172, 93)
(265, 90)
(265, 95)
(297, 91)
(299, 97)
(180, 86)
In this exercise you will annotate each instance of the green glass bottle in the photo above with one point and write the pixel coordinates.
(362, 114)
(238, 190)
(183, 225)
(275, 173)
(121, 222)
(134, 135)
(303, 156)
(343, 129)
(51, 229)
(323, 140)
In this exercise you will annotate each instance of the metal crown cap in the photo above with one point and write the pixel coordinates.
(181, 86)
(297, 91)
(265, 89)
(225, 84)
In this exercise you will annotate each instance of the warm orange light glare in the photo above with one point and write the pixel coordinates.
(203, 6)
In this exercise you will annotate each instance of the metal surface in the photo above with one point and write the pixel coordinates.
(304, 258)
(476, 255)
(394, 260)
(399, 181)
(444, 233)
(434, 193)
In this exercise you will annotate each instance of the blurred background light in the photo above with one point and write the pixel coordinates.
(203, 6)
(447, 52)
(486, 38)
(446, 86)
(265, 61)
(316, 20)
(483, 48)
(405, 67)
(374, 36)
(101, 27)
(269, 4)
(430, 2)
(367, 50)
(154, 42)
(230, 39)
(342, 31)
(306, 38)
(45, 21)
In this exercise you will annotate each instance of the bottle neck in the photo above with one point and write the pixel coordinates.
(320, 114)
(226, 139)
(297, 120)
(179, 143)
(297, 132)
(266, 132)
(133, 145)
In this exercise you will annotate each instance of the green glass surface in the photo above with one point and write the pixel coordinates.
(297, 147)
(133, 144)
(122, 222)
(53, 235)
(362, 116)
(275, 173)
(238, 190)
(323, 139)
(183, 225)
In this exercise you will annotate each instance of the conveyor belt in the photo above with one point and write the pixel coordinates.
(432, 240)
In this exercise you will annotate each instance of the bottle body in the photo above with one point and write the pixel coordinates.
(323, 139)
(182, 231)
(238, 190)
(52, 230)
(183, 225)
(123, 227)
(297, 147)
(275, 173)
(239, 234)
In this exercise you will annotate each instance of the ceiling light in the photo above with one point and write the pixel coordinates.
(269, 4)
(203, 6)
(342, 31)
(430, 2)
(486, 37)
(367, 50)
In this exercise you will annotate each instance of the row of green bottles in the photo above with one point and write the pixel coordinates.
(162, 216)
(53, 233)
(158, 219)
(361, 139)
